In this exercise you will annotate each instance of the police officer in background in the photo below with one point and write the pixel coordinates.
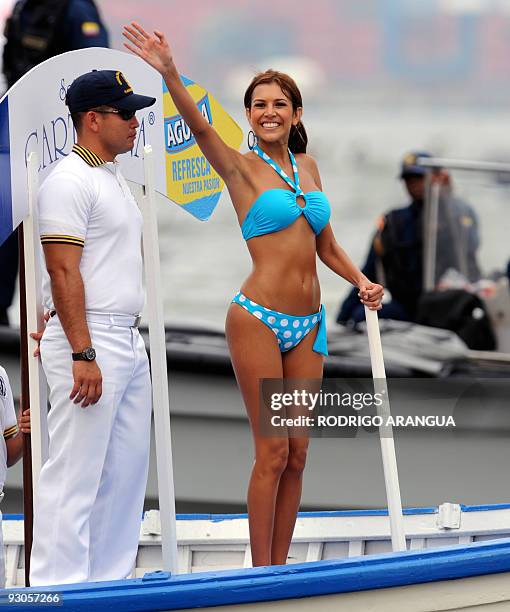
(36, 31)
(395, 257)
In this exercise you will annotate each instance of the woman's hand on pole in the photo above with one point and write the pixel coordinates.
(371, 294)
(153, 49)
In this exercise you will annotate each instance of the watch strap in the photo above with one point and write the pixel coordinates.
(88, 354)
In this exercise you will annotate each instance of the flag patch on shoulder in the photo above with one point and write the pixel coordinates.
(90, 28)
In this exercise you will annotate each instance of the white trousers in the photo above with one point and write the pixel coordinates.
(91, 490)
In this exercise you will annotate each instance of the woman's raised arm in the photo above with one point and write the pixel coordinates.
(155, 50)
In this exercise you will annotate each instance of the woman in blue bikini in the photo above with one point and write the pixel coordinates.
(275, 325)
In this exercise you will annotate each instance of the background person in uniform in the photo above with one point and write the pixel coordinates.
(11, 444)
(91, 489)
(396, 250)
(36, 31)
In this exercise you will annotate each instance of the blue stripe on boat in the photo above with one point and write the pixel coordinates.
(158, 591)
(319, 514)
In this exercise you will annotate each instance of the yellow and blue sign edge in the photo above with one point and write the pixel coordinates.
(191, 181)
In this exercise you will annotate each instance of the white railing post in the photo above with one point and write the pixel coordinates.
(389, 459)
(35, 321)
(159, 372)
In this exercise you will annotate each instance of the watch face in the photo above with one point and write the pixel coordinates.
(89, 354)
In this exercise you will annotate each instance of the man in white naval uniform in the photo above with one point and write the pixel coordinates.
(91, 490)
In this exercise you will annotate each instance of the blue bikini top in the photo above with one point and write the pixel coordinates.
(276, 209)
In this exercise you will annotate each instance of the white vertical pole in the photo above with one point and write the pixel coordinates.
(389, 459)
(432, 196)
(159, 372)
(35, 321)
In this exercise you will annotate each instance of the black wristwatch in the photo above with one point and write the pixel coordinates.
(88, 354)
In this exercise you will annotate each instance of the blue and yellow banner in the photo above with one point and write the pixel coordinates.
(191, 181)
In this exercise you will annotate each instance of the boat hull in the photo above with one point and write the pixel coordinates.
(474, 577)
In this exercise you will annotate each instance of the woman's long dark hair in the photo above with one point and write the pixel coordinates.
(298, 138)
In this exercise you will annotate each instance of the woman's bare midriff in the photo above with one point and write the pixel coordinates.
(284, 275)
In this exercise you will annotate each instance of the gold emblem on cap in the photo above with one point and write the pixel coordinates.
(90, 28)
(410, 159)
(121, 80)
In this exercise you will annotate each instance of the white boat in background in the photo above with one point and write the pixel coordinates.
(458, 558)
(209, 420)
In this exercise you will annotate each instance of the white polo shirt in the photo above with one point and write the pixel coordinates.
(8, 421)
(86, 202)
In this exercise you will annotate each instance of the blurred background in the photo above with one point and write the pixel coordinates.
(379, 78)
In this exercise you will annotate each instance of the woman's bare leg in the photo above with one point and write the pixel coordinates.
(303, 364)
(255, 355)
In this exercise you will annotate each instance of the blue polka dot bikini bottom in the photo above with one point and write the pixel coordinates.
(288, 329)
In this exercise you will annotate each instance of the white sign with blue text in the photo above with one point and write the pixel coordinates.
(34, 117)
